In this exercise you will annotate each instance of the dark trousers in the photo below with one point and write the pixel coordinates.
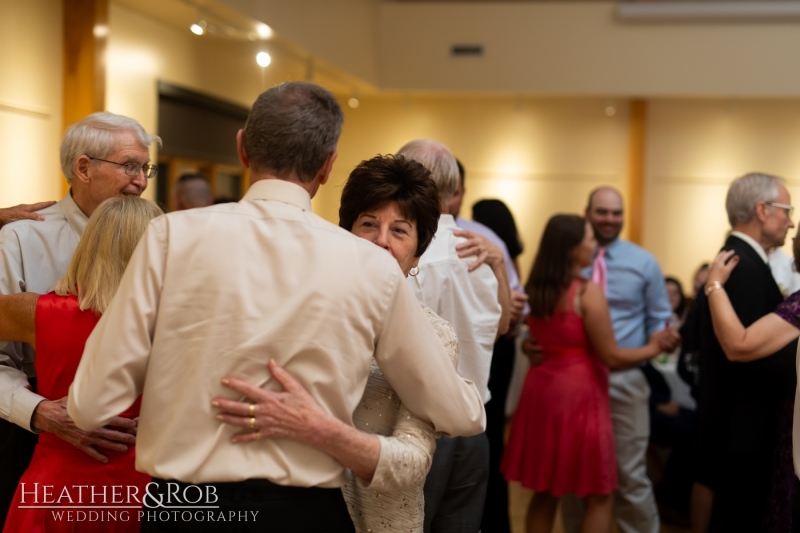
(495, 512)
(16, 450)
(253, 505)
(455, 488)
(741, 494)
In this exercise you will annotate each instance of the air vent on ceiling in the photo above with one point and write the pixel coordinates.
(466, 50)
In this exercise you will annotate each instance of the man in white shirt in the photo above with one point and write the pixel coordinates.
(455, 489)
(103, 156)
(784, 271)
(219, 291)
(495, 512)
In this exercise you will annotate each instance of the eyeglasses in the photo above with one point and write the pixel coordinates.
(132, 169)
(789, 209)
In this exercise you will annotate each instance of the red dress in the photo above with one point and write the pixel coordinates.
(104, 503)
(561, 439)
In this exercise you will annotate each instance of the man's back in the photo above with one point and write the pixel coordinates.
(234, 286)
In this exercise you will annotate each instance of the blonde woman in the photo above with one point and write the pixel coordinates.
(57, 325)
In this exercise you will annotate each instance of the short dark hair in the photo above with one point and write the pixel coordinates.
(292, 127)
(552, 269)
(393, 178)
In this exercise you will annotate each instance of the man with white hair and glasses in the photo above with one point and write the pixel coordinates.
(475, 300)
(102, 156)
(744, 408)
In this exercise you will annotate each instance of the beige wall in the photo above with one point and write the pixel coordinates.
(344, 32)
(540, 156)
(581, 48)
(548, 48)
(695, 149)
(543, 156)
(30, 100)
(142, 52)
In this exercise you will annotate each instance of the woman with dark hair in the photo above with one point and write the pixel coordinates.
(497, 216)
(393, 202)
(561, 440)
(677, 300)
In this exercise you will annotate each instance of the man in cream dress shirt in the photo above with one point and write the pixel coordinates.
(455, 489)
(34, 255)
(222, 290)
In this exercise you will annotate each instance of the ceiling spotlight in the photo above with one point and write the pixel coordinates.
(353, 102)
(199, 27)
(610, 110)
(264, 31)
(263, 59)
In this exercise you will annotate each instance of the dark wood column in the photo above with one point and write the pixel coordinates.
(85, 36)
(636, 155)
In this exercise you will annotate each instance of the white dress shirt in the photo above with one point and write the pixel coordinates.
(222, 290)
(468, 300)
(34, 255)
(784, 272)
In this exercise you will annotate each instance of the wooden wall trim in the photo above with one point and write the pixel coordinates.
(636, 155)
(85, 36)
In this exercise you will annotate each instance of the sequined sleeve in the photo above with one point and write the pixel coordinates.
(789, 309)
(406, 455)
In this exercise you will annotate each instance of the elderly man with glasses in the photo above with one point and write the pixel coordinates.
(744, 408)
(102, 156)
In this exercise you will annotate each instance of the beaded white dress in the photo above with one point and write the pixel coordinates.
(393, 501)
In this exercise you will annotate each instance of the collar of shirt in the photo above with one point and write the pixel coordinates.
(447, 221)
(610, 248)
(280, 191)
(76, 218)
(753, 244)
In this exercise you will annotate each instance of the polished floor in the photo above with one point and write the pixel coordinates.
(518, 503)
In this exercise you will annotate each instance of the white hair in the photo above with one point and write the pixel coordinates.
(747, 191)
(437, 158)
(95, 136)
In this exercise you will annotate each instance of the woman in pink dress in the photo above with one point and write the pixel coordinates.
(57, 325)
(561, 440)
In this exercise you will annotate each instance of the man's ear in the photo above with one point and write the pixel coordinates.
(325, 172)
(761, 211)
(240, 149)
(81, 169)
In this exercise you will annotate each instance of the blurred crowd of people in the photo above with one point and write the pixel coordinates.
(233, 365)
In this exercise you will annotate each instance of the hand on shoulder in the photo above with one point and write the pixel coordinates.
(22, 212)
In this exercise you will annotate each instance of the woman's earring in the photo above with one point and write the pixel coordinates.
(414, 271)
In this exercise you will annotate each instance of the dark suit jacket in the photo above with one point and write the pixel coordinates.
(738, 402)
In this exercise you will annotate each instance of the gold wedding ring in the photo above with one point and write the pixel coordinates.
(252, 410)
(252, 423)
